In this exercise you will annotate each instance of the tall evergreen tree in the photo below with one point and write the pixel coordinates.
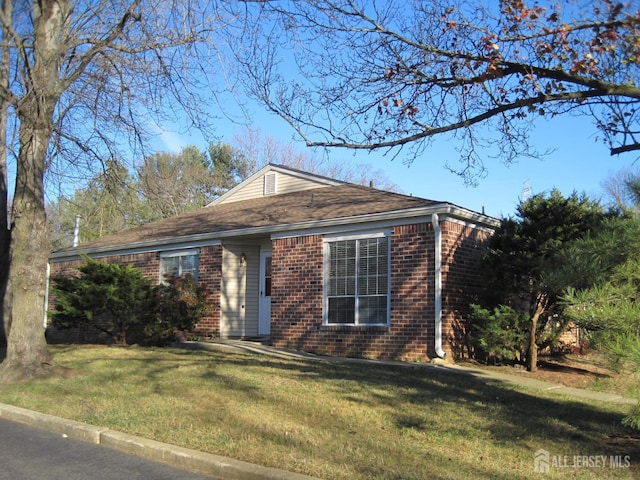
(519, 264)
(608, 306)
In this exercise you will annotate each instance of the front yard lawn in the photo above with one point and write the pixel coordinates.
(333, 420)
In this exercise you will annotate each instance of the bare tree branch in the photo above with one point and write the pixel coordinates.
(87, 82)
(385, 74)
(626, 148)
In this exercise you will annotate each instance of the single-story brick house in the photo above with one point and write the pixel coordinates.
(317, 264)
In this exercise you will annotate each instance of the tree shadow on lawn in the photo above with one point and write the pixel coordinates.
(414, 398)
(445, 403)
(514, 414)
(420, 386)
(556, 366)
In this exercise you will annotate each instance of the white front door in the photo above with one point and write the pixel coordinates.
(264, 315)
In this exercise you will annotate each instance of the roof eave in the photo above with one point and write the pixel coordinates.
(290, 229)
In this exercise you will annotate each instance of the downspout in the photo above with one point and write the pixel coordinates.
(437, 233)
(46, 296)
(74, 244)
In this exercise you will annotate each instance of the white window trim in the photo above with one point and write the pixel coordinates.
(180, 253)
(326, 268)
(176, 253)
(357, 236)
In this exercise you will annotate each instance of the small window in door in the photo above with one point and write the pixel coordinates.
(267, 276)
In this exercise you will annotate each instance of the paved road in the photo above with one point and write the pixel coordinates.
(31, 454)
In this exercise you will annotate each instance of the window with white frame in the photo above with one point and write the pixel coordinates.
(179, 264)
(357, 280)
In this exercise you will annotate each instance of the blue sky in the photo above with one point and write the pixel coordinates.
(577, 163)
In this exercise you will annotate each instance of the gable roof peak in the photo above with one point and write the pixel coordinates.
(273, 179)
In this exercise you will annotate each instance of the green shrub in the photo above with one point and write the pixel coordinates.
(174, 307)
(500, 334)
(107, 296)
(118, 300)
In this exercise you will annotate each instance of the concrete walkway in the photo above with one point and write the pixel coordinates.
(226, 468)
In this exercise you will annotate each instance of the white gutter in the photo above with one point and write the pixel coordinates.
(437, 231)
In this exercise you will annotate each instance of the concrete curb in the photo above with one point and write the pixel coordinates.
(183, 458)
(70, 428)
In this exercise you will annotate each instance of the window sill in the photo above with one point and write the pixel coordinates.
(351, 328)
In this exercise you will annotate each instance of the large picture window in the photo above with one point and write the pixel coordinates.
(179, 264)
(357, 275)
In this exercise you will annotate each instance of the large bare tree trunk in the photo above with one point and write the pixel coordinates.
(4, 191)
(27, 353)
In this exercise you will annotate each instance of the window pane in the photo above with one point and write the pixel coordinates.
(179, 266)
(170, 266)
(341, 310)
(372, 309)
(342, 268)
(358, 278)
(190, 265)
(373, 266)
(267, 276)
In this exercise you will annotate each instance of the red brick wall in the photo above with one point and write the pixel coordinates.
(462, 246)
(210, 269)
(296, 293)
(296, 310)
(210, 273)
(412, 329)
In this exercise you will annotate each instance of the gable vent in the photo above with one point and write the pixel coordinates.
(270, 183)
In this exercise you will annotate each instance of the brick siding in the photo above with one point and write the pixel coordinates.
(462, 246)
(209, 273)
(296, 308)
(297, 294)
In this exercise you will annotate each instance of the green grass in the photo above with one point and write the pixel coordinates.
(330, 420)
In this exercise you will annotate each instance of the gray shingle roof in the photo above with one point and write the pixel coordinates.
(274, 213)
(276, 210)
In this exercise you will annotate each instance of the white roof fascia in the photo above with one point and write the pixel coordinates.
(389, 219)
(178, 243)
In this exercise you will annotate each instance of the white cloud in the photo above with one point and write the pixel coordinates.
(168, 139)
